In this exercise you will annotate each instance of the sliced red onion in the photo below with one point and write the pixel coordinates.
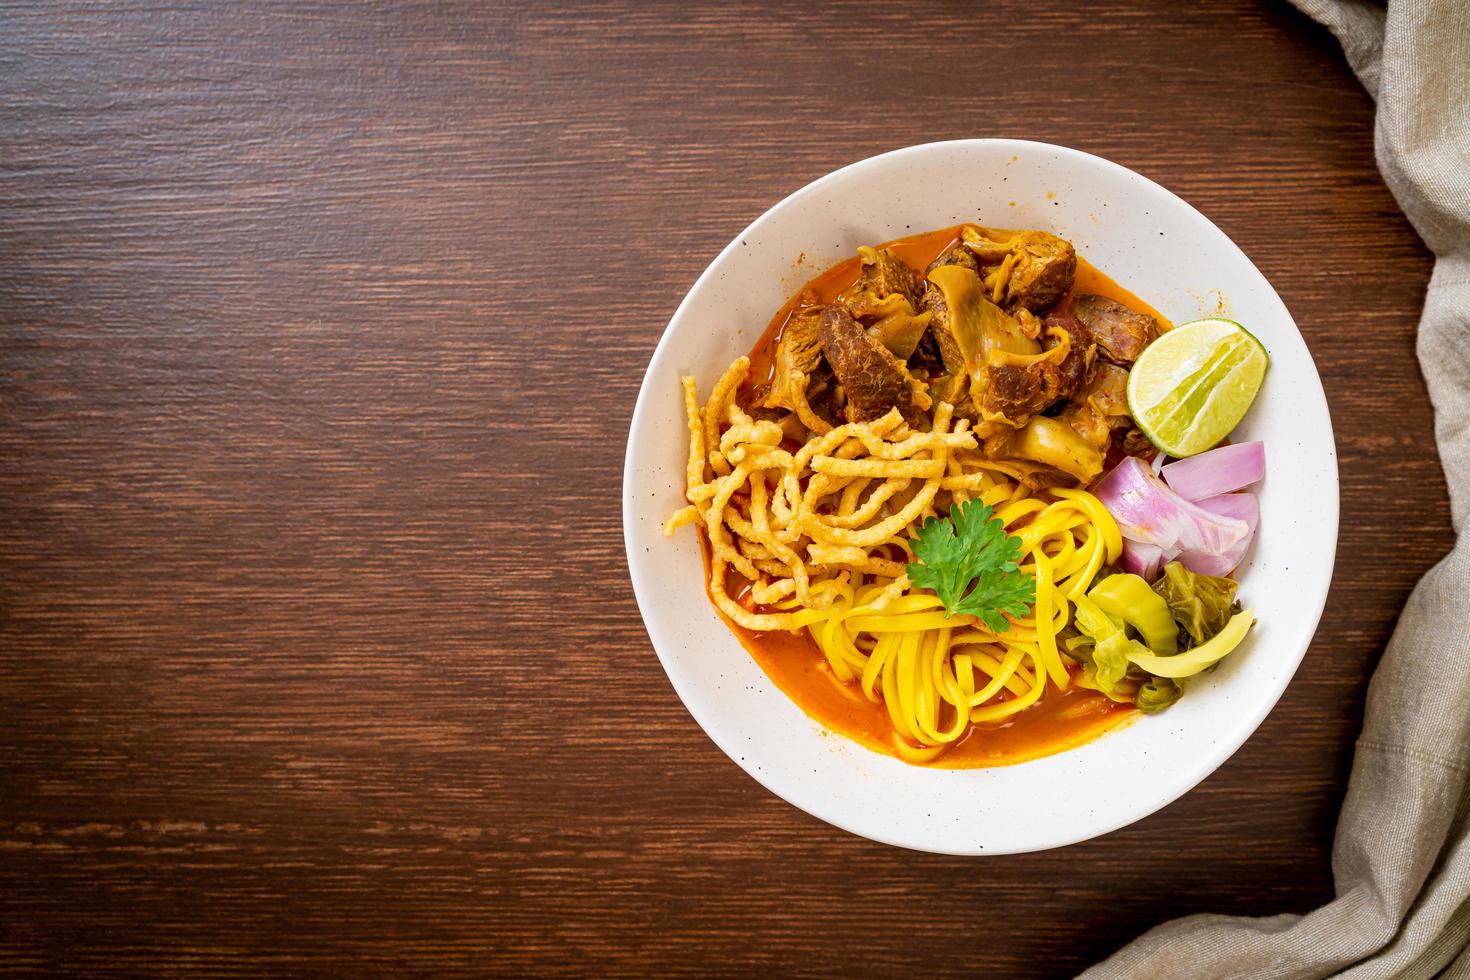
(1142, 559)
(1149, 512)
(1239, 506)
(1217, 471)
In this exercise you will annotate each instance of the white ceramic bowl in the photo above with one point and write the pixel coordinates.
(1153, 244)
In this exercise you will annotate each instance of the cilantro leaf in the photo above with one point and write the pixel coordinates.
(971, 564)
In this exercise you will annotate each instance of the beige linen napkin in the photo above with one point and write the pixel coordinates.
(1401, 859)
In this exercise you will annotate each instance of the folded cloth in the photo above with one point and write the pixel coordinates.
(1401, 858)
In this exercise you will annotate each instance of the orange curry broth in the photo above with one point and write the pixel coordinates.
(1060, 720)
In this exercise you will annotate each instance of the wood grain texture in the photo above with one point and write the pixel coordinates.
(320, 329)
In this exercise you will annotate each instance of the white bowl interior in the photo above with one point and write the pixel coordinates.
(1153, 244)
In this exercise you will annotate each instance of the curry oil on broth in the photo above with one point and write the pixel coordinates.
(1060, 720)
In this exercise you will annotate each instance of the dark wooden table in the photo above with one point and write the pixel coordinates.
(320, 328)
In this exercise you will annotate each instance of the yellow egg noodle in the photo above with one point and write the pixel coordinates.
(822, 535)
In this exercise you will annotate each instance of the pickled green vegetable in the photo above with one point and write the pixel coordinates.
(1205, 655)
(1156, 695)
(1128, 597)
(1201, 604)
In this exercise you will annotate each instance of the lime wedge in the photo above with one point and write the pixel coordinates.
(1194, 384)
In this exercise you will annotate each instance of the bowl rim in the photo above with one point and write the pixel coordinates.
(1311, 612)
